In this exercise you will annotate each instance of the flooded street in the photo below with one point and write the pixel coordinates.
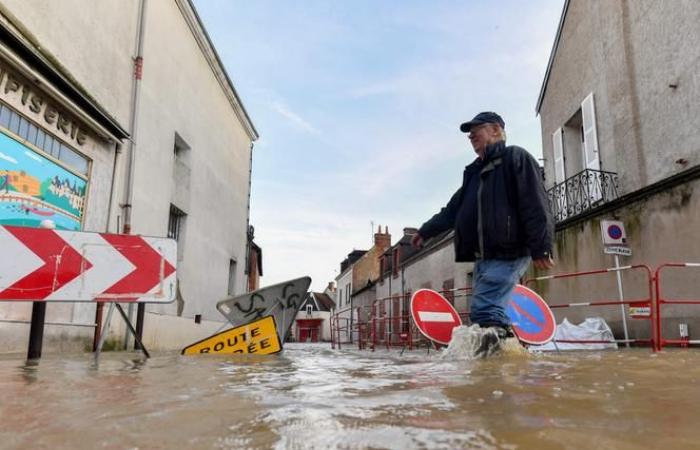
(310, 396)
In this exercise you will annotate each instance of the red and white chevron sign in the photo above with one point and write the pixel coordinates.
(41, 264)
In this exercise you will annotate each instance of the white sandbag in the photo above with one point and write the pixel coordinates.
(591, 329)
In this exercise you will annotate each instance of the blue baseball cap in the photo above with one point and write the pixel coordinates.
(482, 118)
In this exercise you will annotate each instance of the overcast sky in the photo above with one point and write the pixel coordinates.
(358, 105)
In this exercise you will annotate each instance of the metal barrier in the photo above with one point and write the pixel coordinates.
(387, 322)
(649, 301)
(660, 301)
(342, 323)
(390, 325)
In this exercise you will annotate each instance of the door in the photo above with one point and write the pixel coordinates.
(303, 334)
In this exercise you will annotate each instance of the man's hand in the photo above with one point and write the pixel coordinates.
(544, 263)
(417, 241)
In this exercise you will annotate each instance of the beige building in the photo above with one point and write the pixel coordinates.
(355, 292)
(132, 99)
(619, 109)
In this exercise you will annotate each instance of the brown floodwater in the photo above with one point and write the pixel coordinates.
(310, 396)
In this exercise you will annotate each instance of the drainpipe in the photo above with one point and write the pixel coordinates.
(100, 305)
(131, 161)
(249, 238)
(135, 89)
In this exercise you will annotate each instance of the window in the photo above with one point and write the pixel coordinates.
(33, 135)
(309, 309)
(176, 228)
(395, 263)
(232, 277)
(175, 223)
(180, 148)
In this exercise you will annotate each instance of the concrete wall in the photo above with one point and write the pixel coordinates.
(579, 248)
(162, 332)
(639, 58)
(630, 54)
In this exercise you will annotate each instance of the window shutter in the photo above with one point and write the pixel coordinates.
(590, 134)
(558, 146)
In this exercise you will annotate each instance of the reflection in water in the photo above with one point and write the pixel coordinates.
(310, 396)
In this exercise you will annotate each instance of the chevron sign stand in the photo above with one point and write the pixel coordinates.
(43, 265)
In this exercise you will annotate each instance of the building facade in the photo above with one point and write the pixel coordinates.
(406, 270)
(313, 321)
(131, 108)
(618, 107)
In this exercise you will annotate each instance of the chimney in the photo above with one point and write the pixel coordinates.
(331, 286)
(382, 240)
(409, 231)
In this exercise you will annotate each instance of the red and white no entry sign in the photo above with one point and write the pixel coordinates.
(434, 316)
(42, 264)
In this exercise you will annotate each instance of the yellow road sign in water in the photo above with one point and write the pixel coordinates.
(259, 337)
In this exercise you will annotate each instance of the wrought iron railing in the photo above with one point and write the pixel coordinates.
(582, 192)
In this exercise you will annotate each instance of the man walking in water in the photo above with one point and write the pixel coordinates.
(501, 220)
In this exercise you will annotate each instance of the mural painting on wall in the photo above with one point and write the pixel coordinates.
(34, 189)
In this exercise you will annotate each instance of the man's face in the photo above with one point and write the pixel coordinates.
(481, 136)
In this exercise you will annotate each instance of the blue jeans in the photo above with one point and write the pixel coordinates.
(494, 280)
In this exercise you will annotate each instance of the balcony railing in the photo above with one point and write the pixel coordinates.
(582, 192)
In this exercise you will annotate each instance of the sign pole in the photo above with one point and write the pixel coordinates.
(36, 330)
(103, 333)
(138, 335)
(622, 299)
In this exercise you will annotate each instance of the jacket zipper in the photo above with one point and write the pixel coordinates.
(508, 230)
(480, 225)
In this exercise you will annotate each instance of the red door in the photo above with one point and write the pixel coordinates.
(309, 329)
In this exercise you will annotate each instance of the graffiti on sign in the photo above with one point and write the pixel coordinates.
(259, 337)
(281, 300)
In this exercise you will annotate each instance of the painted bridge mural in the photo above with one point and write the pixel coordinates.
(34, 189)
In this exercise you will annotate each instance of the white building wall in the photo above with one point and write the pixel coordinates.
(342, 307)
(93, 40)
(183, 91)
(180, 94)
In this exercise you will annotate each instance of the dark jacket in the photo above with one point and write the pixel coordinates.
(513, 218)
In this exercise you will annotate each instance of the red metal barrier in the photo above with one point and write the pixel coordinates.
(388, 323)
(660, 301)
(349, 322)
(388, 327)
(649, 301)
